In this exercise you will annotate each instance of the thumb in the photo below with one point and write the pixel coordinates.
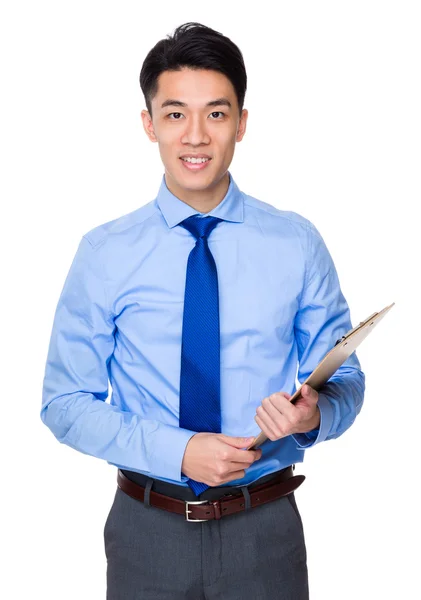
(238, 442)
(309, 392)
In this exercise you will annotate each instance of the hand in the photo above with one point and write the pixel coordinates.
(216, 458)
(277, 417)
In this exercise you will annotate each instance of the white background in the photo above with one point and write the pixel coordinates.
(334, 134)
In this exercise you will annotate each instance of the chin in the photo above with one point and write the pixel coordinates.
(194, 180)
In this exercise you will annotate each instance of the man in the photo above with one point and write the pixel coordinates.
(198, 307)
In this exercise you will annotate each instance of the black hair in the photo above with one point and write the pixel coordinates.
(194, 46)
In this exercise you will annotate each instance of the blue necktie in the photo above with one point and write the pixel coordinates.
(200, 407)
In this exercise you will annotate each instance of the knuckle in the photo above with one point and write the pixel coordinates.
(279, 432)
(223, 455)
(218, 480)
(295, 420)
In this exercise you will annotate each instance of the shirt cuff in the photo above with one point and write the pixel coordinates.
(167, 451)
(313, 437)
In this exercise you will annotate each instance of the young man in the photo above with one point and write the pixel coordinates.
(198, 307)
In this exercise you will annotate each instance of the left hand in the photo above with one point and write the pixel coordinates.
(277, 417)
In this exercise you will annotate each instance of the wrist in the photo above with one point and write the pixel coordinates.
(312, 423)
(315, 424)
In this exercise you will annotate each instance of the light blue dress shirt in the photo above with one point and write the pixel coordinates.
(119, 321)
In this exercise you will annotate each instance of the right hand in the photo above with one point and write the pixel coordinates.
(216, 458)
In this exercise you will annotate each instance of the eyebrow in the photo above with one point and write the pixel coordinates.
(217, 102)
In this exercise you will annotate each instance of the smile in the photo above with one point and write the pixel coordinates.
(195, 164)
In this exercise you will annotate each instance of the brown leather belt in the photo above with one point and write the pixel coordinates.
(204, 510)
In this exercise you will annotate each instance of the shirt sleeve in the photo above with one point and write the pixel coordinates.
(75, 386)
(323, 317)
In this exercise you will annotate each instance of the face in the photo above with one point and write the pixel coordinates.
(195, 113)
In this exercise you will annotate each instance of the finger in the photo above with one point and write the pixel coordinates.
(309, 393)
(236, 442)
(235, 475)
(268, 428)
(249, 459)
(222, 479)
(237, 466)
(278, 405)
(244, 456)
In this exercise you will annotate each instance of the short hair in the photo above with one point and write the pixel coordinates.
(194, 46)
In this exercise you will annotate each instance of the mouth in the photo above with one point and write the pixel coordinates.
(195, 163)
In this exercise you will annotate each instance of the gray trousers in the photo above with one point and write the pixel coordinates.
(152, 554)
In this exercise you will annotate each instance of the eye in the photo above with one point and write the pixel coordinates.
(175, 116)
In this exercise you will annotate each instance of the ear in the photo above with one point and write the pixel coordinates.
(242, 125)
(148, 125)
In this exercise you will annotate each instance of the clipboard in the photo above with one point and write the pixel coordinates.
(342, 349)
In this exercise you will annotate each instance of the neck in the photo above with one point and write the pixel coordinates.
(202, 200)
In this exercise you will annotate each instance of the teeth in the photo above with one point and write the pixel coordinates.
(195, 160)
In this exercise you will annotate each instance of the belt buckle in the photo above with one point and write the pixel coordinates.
(188, 502)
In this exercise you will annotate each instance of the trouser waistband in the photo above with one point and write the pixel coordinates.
(185, 493)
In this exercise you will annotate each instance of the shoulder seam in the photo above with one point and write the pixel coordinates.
(85, 236)
(107, 233)
(101, 266)
(281, 216)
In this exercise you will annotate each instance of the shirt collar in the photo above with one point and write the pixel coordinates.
(174, 210)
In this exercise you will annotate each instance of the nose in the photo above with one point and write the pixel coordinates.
(195, 132)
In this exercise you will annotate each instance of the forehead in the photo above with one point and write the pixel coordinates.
(195, 87)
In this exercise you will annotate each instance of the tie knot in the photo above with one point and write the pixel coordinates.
(200, 227)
